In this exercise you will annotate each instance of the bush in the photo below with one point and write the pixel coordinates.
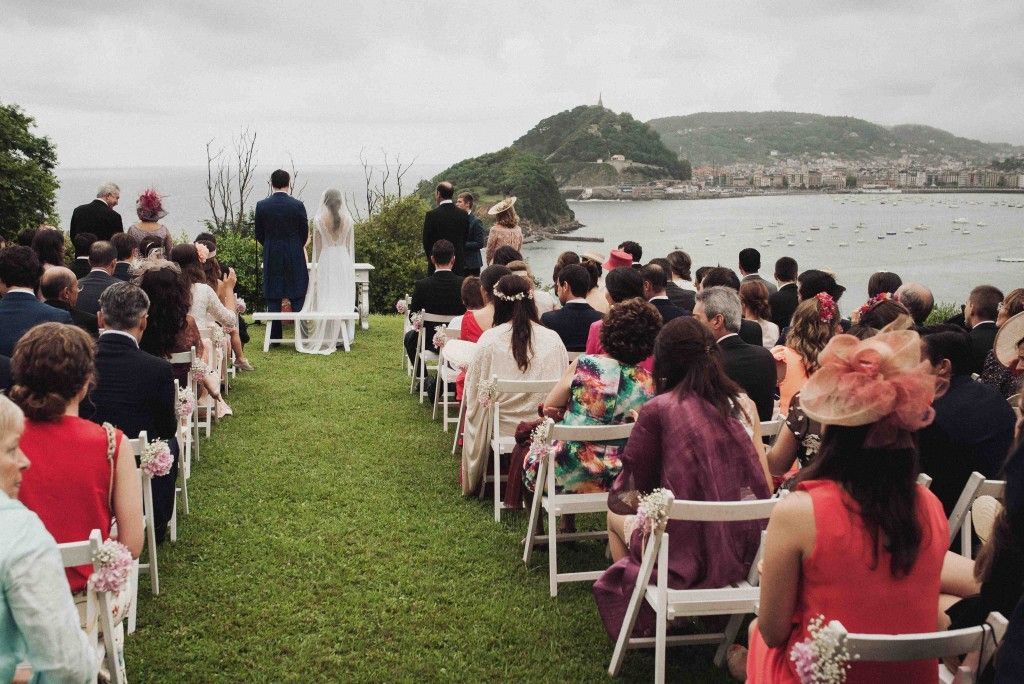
(392, 240)
(244, 255)
(942, 312)
(27, 184)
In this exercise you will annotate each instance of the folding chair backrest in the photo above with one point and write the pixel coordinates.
(73, 554)
(574, 355)
(976, 486)
(435, 318)
(590, 433)
(515, 387)
(771, 428)
(722, 511)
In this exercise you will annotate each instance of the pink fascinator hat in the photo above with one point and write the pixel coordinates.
(880, 381)
(150, 206)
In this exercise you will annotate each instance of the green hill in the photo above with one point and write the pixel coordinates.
(730, 137)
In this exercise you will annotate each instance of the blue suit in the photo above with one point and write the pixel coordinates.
(20, 311)
(282, 228)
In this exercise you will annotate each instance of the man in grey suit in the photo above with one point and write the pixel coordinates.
(750, 264)
(102, 261)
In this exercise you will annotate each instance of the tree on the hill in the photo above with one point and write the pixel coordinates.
(28, 187)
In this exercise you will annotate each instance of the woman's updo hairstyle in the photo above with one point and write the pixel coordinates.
(52, 362)
(490, 276)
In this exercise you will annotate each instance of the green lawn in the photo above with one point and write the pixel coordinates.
(328, 541)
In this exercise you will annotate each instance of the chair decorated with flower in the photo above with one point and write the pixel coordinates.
(197, 369)
(426, 360)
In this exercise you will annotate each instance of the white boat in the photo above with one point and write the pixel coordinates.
(960, 220)
(981, 224)
(881, 237)
(922, 243)
(844, 244)
(890, 232)
(815, 227)
(860, 239)
(790, 243)
(1010, 260)
(966, 232)
(765, 243)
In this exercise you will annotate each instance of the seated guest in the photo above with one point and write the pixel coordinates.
(980, 315)
(596, 294)
(25, 237)
(505, 255)
(622, 283)
(82, 242)
(880, 313)
(635, 252)
(754, 297)
(563, 260)
(681, 289)
(475, 321)
(751, 366)
(38, 619)
(19, 308)
(439, 293)
(59, 288)
(600, 390)
(689, 439)
(814, 323)
(48, 244)
(472, 299)
(127, 247)
(518, 347)
(655, 280)
(541, 298)
(572, 322)
(783, 303)
(1004, 365)
(134, 391)
(859, 541)
(750, 264)
(151, 246)
(973, 426)
(813, 281)
(82, 475)
(698, 276)
(918, 299)
(750, 332)
(5, 374)
(883, 281)
(102, 259)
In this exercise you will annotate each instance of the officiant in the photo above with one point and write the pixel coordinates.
(282, 228)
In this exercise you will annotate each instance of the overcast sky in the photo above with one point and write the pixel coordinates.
(147, 84)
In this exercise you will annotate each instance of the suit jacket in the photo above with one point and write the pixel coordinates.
(123, 271)
(772, 287)
(972, 430)
(5, 374)
(85, 321)
(572, 323)
(684, 299)
(282, 227)
(752, 367)
(81, 267)
(783, 304)
(751, 333)
(668, 310)
(983, 336)
(20, 311)
(438, 293)
(90, 288)
(96, 218)
(446, 222)
(476, 239)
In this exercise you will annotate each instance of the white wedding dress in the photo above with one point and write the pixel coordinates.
(332, 278)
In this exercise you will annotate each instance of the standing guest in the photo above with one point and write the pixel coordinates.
(918, 299)
(690, 439)
(883, 281)
(680, 290)
(622, 283)
(150, 209)
(506, 230)
(572, 322)
(596, 294)
(750, 366)
(98, 217)
(973, 427)
(48, 244)
(635, 252)
(83, 475)
(59, 288)
(750, 264)
(655, 280)
(19, 308)
(754, 296)
(82, 242)
(446, 222)
(980, 315)
(750, 331)
(541, 298)
(102, 259)
(134, 391)
(439, 293)
(127, 247)
(783, 302)
(281, 227)
(859, 541)
(1004, 367)
(475, 237)
(39, 624)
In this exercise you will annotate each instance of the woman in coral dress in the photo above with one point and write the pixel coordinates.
(506, 230)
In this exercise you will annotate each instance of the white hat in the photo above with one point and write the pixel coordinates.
(501, 206)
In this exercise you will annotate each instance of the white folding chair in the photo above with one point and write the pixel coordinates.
(925, 480)
(503, 444)
(443, 397)
(770, 429)
(208, 405)
(190, 357)
(556, 504)
(425, 360)
(736, 601)
(574, 355)
(960, 518)
(184, 438)
(99, 607)
(1014, 401)
(978, 643)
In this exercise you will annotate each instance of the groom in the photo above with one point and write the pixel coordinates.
(282, 229)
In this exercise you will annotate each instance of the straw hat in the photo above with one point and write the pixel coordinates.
(618, 259)
(1007, 338)
(593, 256)
(983, 514)
(501, 206)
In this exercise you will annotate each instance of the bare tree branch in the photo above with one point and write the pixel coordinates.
(295, 175)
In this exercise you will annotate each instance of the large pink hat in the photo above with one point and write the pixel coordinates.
(618, 259)
(880, 380)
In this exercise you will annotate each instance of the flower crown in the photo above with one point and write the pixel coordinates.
(518, 297)
(827, 309)
(870, 304)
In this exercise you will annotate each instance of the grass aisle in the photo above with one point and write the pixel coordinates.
(328, 541)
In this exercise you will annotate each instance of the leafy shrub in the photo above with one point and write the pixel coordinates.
(942, 312)
(392, 240)
(27, 184)
(244, 255)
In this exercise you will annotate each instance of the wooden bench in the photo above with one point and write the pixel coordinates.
(297, 317)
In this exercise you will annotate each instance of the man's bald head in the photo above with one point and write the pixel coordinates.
(918, 299)
(60, 283)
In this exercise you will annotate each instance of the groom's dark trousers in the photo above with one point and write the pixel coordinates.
(274, 305)
(282, 228)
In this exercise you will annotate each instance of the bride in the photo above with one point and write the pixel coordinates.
(332, 278)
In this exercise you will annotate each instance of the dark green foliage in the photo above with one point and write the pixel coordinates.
(245, 255)
(27, 184)
(1009, 164)
(508, 172)
(392, 240)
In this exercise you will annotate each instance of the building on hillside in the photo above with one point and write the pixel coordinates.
(814, 179)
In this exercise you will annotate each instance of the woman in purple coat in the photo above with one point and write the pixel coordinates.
(693, 439)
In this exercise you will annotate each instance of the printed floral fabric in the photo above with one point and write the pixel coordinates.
(603, 392)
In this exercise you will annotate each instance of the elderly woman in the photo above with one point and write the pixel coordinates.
(506, 230)
(150, 209)
(38, 620)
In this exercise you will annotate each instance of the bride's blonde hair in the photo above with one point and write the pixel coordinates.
(333, 201)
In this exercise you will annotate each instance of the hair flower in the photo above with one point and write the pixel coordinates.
(203, 251)
(868, 305)
(827, 309)
(518, 297)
